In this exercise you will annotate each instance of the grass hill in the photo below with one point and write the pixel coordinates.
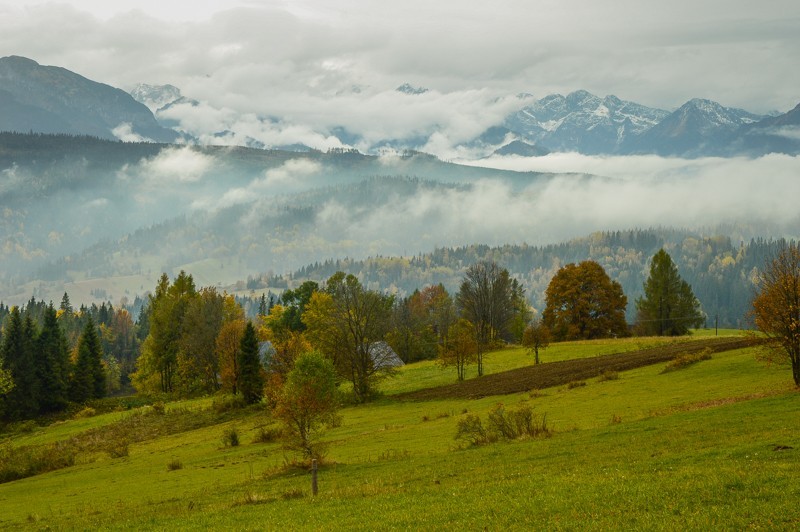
(713, 445)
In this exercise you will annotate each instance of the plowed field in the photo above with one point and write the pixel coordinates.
(559, 373)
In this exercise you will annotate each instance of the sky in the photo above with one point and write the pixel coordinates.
(290, 71)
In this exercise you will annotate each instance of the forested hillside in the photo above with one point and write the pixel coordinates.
(720, 271)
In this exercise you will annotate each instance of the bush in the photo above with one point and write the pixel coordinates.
(86, 412)
(608, 375)
(267, 434)
(228, 403)
(230, 438)
(686, 360)
(470, 429)
(174, 465)
(575, 384)
(502, 424)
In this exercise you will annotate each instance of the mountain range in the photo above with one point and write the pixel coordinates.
(47, 99)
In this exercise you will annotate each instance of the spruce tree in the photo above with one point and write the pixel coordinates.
(88, 376)
(668, 307)
(17, 358)
(52, 363)
(251, 381)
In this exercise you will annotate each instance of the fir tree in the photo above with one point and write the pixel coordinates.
(52, 363)
(88, 376)
(669, 307)
(17, 358)
(250, 381)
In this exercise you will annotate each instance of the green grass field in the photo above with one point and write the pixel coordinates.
(713, 446)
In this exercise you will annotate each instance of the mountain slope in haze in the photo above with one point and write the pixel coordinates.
(774, 134)
(49, 99)
(62, 194)
(699, 127)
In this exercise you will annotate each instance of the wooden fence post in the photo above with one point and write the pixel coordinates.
(314, 476)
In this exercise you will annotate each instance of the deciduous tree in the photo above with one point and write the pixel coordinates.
(486, 299)
(776, 306)
(536, 336)
(460, 347)
(343, 323)
(308, 402)
(583, 303)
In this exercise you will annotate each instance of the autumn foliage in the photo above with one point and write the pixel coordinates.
(776, 306)
(583, 303)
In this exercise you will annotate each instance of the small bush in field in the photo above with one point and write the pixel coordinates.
(608, 375)
(502, 424)
(267, 435)
(174, 465)
(470, 429)
(684, 361)
(86, 412)
(230, 438)
(575, 384)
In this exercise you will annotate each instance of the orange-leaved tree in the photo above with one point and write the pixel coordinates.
(776, 306)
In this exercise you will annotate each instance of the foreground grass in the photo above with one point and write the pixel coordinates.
(694, 448)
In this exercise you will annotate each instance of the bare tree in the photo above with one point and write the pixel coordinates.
(486, 298)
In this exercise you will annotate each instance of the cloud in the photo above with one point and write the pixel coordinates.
(291, 176)
(180, 165)
(284, 73)
(124, 132)
(646, 192)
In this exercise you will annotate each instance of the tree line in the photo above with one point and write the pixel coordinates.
(189, 341)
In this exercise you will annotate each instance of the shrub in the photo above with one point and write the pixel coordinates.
(608, 375)
(502, 424)
(470, 429)
(575, 384)
(86, 412)
(174, 465)
(228, 403)
(230, 438)
(267, 434)
(686, 360)
(117, 447)
(159, 408)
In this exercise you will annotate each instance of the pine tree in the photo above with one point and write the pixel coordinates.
(668, 307)
(52, 363)
(251, 381)
(88, 377)
(16, 355)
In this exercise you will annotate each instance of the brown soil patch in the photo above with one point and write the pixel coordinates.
(559, 373)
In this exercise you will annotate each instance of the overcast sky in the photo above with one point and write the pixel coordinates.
(319, 63)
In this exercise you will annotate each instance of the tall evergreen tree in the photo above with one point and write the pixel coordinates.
(251, 381)
(668, 307)
(16, 355)
(52, 363)
(88, 377)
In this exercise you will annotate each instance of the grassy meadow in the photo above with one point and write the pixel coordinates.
(713, 445)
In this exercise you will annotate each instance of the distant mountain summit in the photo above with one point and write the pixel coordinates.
(156, 97)
(582, 122)
(407, 88)
(48, 99)
(698, 127)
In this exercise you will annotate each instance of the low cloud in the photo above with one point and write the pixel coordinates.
(124, 132)
(644, 192)
(177, 165)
